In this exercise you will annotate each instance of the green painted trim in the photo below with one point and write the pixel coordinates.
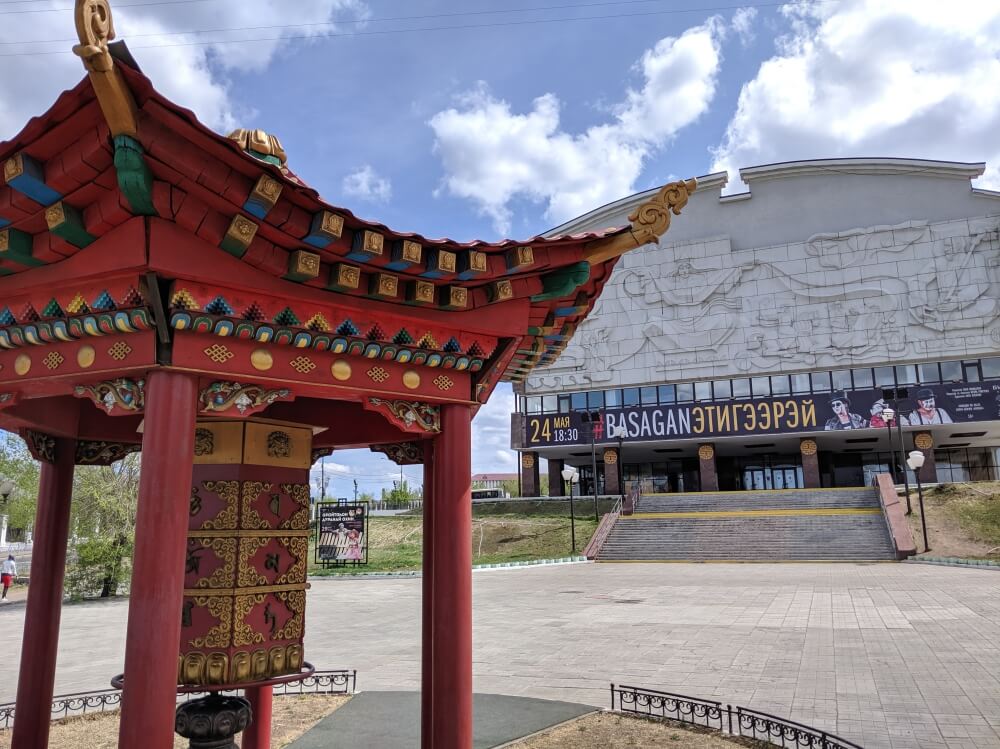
(135, 180)
(234, 248)
(17, 245)
(72, 229)
(563, 282)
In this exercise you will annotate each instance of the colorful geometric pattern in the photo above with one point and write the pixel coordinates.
(40, 333)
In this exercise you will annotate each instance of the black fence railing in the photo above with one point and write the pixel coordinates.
(107, 700)
(735, 721)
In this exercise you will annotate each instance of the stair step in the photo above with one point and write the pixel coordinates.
(794, 525)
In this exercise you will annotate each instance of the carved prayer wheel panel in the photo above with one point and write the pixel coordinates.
(243, 618)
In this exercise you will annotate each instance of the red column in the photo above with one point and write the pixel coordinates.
(154, 612)
(258, 733)
(427, 601)
(451, 636)
(41, 619)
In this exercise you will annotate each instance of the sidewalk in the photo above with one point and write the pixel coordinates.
(391, 720)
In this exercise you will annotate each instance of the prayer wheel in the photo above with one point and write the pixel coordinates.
(243, 616)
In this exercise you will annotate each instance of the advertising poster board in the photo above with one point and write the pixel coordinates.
(341, 534)
(924, 405)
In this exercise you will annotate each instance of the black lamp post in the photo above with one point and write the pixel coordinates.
(620, 434)
(595, 421)
(571, 475)
(916, 462)
(889, 413)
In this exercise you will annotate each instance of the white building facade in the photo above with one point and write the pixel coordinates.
(756, 346)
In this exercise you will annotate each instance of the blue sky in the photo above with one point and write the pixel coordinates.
(548, 109)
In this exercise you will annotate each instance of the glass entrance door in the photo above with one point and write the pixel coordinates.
(770, 472)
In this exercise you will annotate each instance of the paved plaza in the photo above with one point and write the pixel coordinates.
(888, 655)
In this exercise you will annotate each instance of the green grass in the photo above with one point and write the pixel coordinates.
(974, 508)
(396, 543)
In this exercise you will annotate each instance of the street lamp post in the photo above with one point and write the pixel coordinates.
(893, 395)
(889, 414)
(916, 462)
(570, 474)
(620, 434)
(595, 421)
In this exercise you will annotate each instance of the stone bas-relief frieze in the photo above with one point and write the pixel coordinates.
(909, 291)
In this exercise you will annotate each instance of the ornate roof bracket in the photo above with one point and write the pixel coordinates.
(119, 397)
(41, 446)
(95, 28)
(221, 396)
(402, 453)
(409, 416)
(650, 221)
(100, 453)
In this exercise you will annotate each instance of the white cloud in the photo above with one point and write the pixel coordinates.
(875, 78)
(191, 74)
(366, 184)
(743, 24)
(492, 155)
(491, 451)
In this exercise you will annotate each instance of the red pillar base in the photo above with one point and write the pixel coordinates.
(427, 601)
(36, 679)
(258, 733)
(451, 634)
(149, 697)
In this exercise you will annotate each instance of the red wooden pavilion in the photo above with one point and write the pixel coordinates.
(159, 279)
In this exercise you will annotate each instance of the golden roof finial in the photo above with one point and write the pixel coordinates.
(650, 221)
(96, 28)
(260, 144)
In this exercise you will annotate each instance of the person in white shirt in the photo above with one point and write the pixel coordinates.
(927, 411)
(8, 571)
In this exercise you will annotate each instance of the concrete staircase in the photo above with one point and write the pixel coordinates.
(796, 525)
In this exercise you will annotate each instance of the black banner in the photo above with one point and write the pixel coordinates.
(858, 409)
(342, 536)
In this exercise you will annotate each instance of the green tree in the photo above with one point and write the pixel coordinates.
(17, 465)
(105, 501)
(400, 495)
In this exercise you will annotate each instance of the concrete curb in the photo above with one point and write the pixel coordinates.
(475, 568)
(956, 562)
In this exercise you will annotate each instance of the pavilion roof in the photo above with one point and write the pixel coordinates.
(76, 174)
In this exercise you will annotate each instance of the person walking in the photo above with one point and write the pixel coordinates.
(8, 571)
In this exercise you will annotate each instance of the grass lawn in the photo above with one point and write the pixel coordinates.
(396, 543)
(963, 520)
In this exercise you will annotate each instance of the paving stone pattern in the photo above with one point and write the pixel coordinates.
(891, 656)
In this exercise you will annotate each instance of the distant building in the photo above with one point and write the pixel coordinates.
(758, 344)
(492, 480)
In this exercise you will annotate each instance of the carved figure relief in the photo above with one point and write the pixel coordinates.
(279, 444)
(836, 299)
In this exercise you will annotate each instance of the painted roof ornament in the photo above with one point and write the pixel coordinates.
(261, 145)
(95, 28)
(650, 221)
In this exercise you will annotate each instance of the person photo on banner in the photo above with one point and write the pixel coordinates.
(340, 541)
(927, 411)
(877, 419)
(354, 545)
(842, 417)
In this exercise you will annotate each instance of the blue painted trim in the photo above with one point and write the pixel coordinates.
(32, 183)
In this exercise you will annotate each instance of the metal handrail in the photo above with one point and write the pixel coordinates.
(735, 721)
(343, 681)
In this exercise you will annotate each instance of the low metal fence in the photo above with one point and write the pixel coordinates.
(108, 700)
(735, 721)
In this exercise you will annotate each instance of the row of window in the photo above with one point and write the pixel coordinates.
(971, 370)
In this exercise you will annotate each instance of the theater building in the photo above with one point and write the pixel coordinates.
(759, 344)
